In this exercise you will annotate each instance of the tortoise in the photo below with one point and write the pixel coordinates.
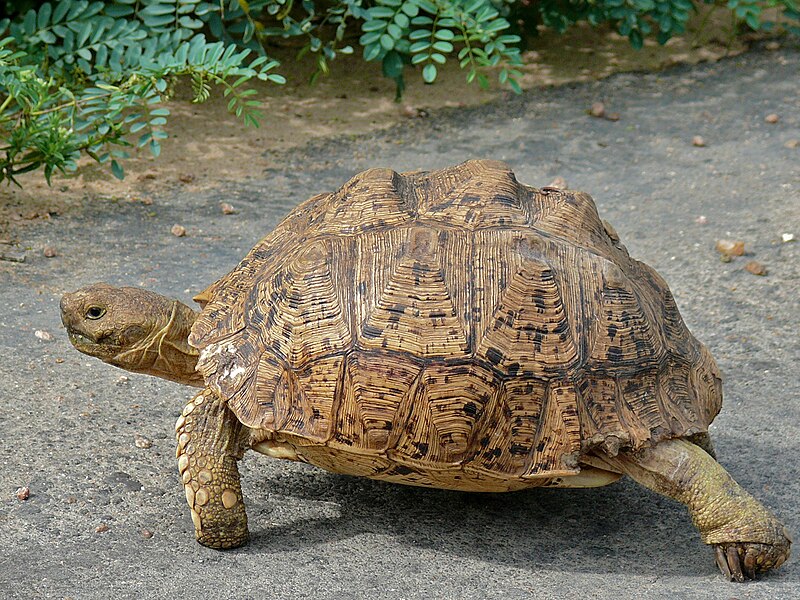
(449, 329)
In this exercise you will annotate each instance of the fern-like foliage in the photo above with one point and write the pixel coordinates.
(81, 76)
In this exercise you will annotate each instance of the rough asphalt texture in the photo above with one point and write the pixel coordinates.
(69, 422)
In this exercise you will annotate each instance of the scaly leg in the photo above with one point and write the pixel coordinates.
(746, 536)
(209, 445)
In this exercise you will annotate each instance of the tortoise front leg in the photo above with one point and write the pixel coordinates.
(746, 536)
(209, 445)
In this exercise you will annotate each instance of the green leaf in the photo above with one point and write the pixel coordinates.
(635, 37)
(429, 73)
(370, 38)
(392, 65)
(373, 25)
(47, 37)
(410, 9)
(394, 31)
(444, 34)
(83, 34)
(117, 170)
(43, 18)
(61, 10)
(380, 12)
(387, 41)
(29, 23)
(426, 5)
(372, 52)
(445, 47)
(157, 9)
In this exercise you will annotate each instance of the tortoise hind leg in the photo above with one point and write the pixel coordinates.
(746, 536)
(210, 442)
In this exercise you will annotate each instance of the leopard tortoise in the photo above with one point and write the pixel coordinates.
(450, 329)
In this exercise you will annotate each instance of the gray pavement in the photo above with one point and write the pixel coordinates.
(68, 423)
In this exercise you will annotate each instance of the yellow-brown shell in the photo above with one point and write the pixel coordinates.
(452, 320)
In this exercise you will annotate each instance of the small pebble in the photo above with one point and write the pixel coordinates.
(141, 441)
(598, 110)
(701, 220)
(772, 46)
(612, 116)
(23, 493)
(59, 361)
(102, 528)
(408, 111)
(730, 247)
(71, 499)
(787, 237)
(756, 268)
(123, 379)
(698, 141)
(178, 230)
(792, 144)
(772, 118)
(726, 258)
(186, 178)
(49, 252)
(147, 201)
(43, 335)
(227, 209)
(147, 534)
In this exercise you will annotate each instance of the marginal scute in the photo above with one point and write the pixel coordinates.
(558, 438)
(451, 328)
(441, 415)
(506, 439)
(373, 388)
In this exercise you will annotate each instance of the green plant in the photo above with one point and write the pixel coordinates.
(82, 76)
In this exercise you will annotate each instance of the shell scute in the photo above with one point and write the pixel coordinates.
(441, 415)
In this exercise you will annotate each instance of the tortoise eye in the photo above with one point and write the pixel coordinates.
(95, 312)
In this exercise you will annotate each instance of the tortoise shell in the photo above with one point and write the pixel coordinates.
(454, 326)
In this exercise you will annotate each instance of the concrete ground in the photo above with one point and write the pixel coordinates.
(69, 424)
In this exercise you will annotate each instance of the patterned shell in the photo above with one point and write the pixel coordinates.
(452, 320)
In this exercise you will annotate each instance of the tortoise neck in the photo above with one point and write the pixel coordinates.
(167, 353)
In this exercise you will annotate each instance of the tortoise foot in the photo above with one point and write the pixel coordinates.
(222, 539)
(208, 441)
(744, 560)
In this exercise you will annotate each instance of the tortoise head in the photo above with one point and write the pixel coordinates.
(131, 328)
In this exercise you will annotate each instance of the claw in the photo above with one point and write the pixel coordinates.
(750, 563)
(722, 562)
(735, 564)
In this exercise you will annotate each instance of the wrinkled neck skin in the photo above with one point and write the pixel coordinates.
(166, 353)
